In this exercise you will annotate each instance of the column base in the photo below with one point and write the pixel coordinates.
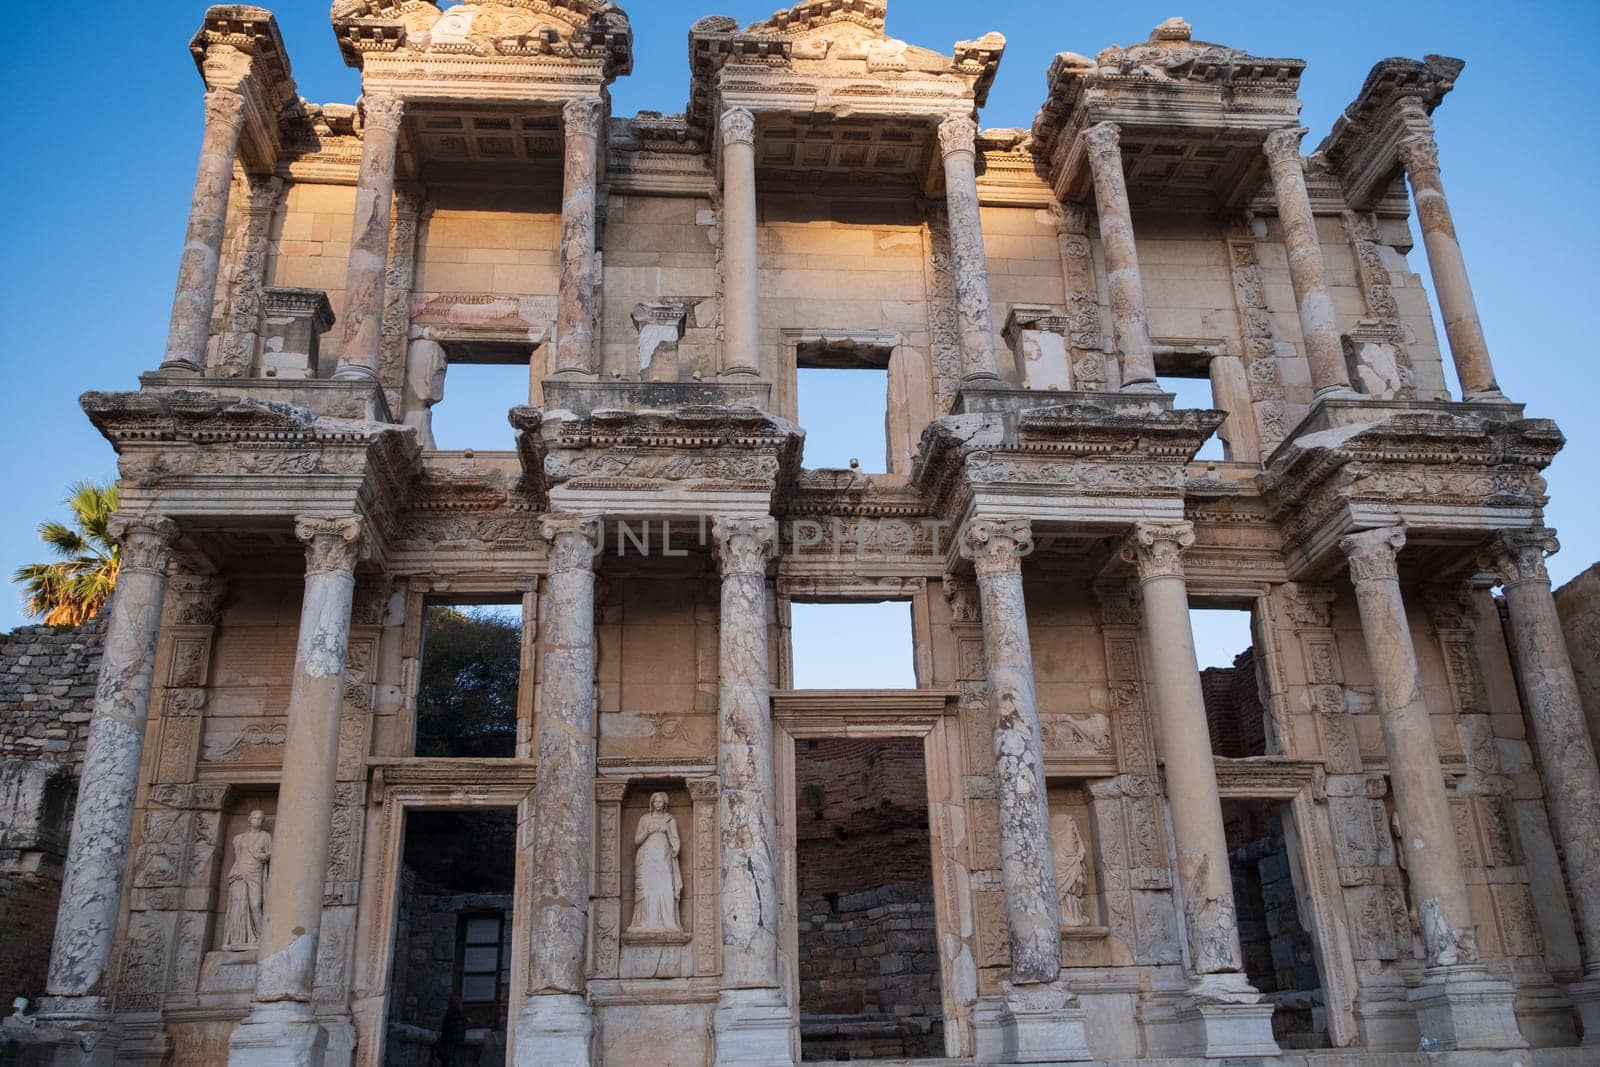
(1335, 392)
(355, 372)
(1461, 1008)
(1585, 994)
(281, 1033)
(68, 1032)
(555, 1028)
(179, 369)
(1485, 396)
(751, 1028)
(1219, 1015)
(1031, 1024)
(1142, 387)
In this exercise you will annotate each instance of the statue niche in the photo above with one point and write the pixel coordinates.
(247, 881)
(657, 874)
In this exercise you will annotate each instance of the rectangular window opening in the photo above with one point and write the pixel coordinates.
(450, 987)
(1235, 711)
(477, 394)
(868, 932)
(844, 411)
(853, 646)
(470, 672)
(1279, 951)
(1195, 393)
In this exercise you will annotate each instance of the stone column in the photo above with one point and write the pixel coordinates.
(1319, 326)
(958, 145)
(369, 239)
(751, 1021)
(190, 328)
(555, 1024)
(1420, 156)
(741, 337)
(1457, 1005)
(1104, 143)
(281, 1028)
(1156, 549)
(1027, 862)
(575, 310)
(1561, 735)
(102, 822)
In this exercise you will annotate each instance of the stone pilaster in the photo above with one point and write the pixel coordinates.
(1085, 341)
(411, 211)
(957, 145)
(237, 351)
(78, 988)
(1561, 737)
(1420, 156)
(369, 239)
(1319, 325)
(190, 328)
(575, 304)
(1222, 1015)
(751, 1020)
(556, 1025)
(281, 1027)
(1037, 1020)
(1458, 1006)
(741, 338)
(1128, 315)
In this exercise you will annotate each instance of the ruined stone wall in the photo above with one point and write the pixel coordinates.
(1234, 712)
(47, 680)
(1579, 604)
(659, 248)
(310, 247)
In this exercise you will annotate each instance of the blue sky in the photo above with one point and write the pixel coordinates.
(103, 126)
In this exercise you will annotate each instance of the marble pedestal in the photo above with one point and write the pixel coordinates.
(1461, 1007)
(555, 1028)
(1219, 1015)
(1031, 1024)
(281, 1033)
(751, 1027)
(67, 1032)
(1585, 994)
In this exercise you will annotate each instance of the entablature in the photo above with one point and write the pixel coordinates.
(238, 48)
(1395, 101)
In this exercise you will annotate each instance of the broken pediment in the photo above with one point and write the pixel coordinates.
(576, 29)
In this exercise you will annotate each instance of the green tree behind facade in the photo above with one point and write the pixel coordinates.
(467, 701)
(73, 589)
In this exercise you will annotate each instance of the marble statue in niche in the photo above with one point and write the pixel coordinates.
(247, 878)
(657, 877)
(1071, 869)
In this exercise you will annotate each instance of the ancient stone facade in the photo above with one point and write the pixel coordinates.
(827, 195)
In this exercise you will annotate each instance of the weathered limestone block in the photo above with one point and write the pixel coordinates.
(292, 324)
(661, 326)
(1037, 335)
(1579, 605)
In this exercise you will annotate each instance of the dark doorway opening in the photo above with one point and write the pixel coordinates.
(1279, 955)
(869, 959)
(450, 985)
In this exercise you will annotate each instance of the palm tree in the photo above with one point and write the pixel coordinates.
(70, 591)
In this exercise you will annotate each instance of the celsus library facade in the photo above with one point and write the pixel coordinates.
(401, 751)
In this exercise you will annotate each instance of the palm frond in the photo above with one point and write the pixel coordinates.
(72, 590)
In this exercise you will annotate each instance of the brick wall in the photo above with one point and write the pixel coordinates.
(1234, 712)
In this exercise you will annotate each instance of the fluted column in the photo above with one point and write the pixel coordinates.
(575, 310)
(1420, 156)
(1027, 862)
(1433, 864)
(751, 1021)
(1560, 734)
(369, 239)
(1128, 315)
(555, 1025)
(1156, 550)
(958, 146)
(741, 337)
(281, 1027)
(102, 822)
(1319, 325)
(190, 328)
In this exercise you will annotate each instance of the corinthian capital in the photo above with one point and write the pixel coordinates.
(1419, 151)
(1518, 555)
(1372, 553)
(957, 134)
(1104, 140)
(574, 541)
(333, 542)
(738, 126)
(582, 117)
(1156, 548)
(744, 545)
(996, 546)
(145, 540)
(382, 111)
(1283, 146)
(225, 108)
